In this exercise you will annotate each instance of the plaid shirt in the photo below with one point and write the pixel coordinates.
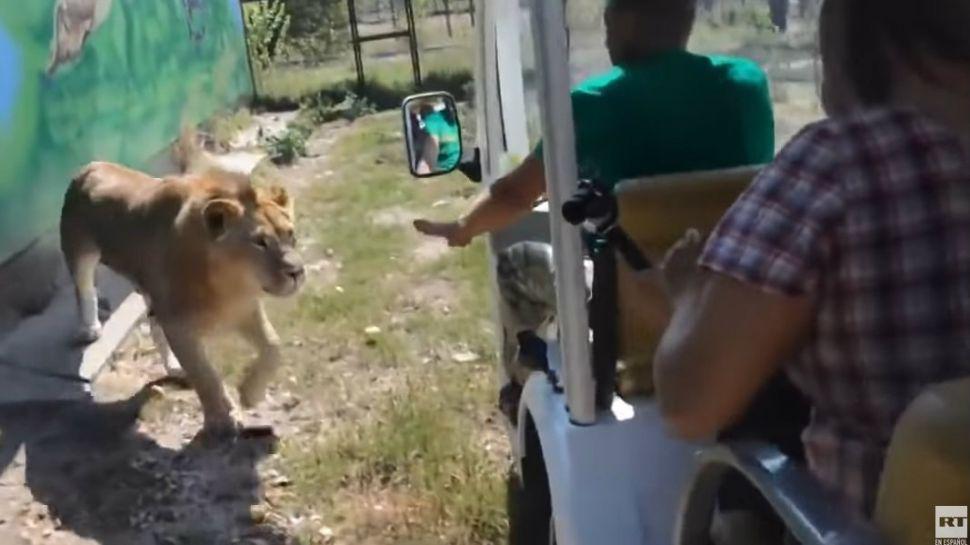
(870, 217)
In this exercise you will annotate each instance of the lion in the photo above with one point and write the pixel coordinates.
(202, 247)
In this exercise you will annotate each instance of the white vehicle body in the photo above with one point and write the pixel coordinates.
(614, 477)
(608, 477)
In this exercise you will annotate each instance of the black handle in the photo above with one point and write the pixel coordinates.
(472, 168)
(591, 203)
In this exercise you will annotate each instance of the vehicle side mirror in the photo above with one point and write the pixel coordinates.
(432, 133)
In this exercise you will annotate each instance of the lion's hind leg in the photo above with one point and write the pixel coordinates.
(82, 258)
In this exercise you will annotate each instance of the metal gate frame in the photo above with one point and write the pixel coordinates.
(409, 33)
(249, 53)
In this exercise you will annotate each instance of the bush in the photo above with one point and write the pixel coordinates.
(755, 17)
(320, 27)
(357, 107)
(323, 108)
(286, 147)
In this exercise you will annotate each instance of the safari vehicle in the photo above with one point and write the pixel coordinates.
(598, 468)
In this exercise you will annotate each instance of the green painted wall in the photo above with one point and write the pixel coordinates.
(103, 79)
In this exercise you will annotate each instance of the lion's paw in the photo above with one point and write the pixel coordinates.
(222, 430)
(89, 334)
(251, 394)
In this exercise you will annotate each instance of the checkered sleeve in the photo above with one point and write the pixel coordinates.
(774, 234)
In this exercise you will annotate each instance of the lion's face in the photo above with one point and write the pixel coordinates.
(256, 236)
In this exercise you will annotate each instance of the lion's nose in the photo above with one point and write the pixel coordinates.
(293, 268)
(296, 272)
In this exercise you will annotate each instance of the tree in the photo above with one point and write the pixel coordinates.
(267, 23)
(319, 27)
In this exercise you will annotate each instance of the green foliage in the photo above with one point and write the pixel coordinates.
(357, 106)
(286, 147)
(320, 27)
(740, 15)
(268, 23)
(751, 16)
(323, 108)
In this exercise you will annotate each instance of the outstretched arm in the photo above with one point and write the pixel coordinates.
(506, 201)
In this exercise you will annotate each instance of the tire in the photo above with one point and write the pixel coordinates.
(530, 504)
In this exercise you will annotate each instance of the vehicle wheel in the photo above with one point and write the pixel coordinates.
(530, 505)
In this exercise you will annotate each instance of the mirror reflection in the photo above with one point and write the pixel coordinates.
(433, 134)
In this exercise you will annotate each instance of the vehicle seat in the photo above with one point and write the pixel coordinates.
(656, 212)
(927, 464)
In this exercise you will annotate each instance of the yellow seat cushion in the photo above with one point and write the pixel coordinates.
(927, 464)
(656, 212)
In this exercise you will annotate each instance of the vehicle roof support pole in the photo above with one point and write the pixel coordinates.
(549, 33)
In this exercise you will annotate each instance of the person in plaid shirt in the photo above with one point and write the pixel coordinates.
(847, 261)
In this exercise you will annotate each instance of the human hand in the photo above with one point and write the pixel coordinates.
(680, 264)
(452, 231)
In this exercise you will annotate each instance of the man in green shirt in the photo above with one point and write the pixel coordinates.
(442, 150)
(660, 110)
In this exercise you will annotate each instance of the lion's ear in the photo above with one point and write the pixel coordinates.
(281, 197)
(219, 214)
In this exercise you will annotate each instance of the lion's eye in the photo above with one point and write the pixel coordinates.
(261, 242)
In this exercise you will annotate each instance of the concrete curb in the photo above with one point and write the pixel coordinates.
(116, 330)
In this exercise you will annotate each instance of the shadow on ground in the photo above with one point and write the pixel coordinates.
(102, 480)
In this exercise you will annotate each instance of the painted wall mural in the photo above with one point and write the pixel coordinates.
(103, 79)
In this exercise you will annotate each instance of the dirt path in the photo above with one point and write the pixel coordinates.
(129, 471)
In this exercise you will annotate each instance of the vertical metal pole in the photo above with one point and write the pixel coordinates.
(393, 13)
(552, 63)
(355, 39)
(779, 13)
(471, 11)
(448, 18)
(413, 42)
(249, 53)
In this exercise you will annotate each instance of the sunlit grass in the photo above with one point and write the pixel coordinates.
(419, 465)
(295, 82)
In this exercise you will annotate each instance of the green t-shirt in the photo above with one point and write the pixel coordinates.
(673, 112)
(449, 148)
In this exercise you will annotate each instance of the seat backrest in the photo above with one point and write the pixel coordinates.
(655, 212)
(927, 464)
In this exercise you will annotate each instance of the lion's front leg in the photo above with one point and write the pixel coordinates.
(260, 333)
(217, 407)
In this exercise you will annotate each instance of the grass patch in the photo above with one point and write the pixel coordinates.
(417, 449)
(388, 79)
(417, 455)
